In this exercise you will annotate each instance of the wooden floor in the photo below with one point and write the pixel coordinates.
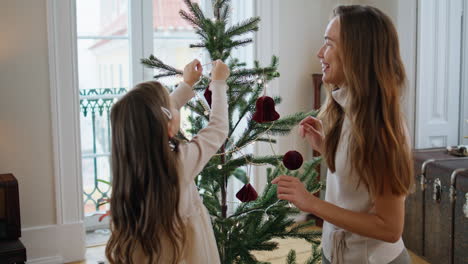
(96, 254)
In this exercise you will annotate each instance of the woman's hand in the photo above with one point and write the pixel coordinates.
(192, 72)
(293, 190)
(220, 71)
(311, 129)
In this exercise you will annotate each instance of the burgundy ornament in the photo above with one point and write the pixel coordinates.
(265, 110)
(292, 160)
(247, 193)
(207, 95)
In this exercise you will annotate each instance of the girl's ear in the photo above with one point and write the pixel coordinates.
(170, 130)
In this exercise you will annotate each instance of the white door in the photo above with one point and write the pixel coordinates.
(439, 73)
(464, 90)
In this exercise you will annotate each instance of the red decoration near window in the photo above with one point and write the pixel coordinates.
(247, 193)
(292, 160)
(207, 95)
(265, 110)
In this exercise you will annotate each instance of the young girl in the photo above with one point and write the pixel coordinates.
(363, 140)
(157, 215)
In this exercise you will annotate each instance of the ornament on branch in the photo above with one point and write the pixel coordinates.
(292, 160)
(265, 110)
(207, 94)
(247, 194)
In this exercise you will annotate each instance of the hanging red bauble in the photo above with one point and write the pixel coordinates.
(292, 160)
(207, 95)
(265, 110)
(247, 193)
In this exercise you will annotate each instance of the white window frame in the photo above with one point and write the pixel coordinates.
(64, 94)
(65, 113)
(65, 137)
(140, 40)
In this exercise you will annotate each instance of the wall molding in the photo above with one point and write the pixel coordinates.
(65, 109)
(48, 260)
(54, 243)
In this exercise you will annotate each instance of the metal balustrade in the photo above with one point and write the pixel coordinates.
(95, 106)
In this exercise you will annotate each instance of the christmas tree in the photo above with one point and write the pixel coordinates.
(258, 219)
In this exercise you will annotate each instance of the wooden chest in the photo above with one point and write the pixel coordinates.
(10, 225)
(12, 252)
(436, 221)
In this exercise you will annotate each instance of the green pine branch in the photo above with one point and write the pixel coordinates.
(198, 45)
(268, 140)
(254, 72)
(246, 159)
(224, 13)
(239, 43)
(155, 63)
(249, 25)
(291, 259)
(195, 10)
(194, 21)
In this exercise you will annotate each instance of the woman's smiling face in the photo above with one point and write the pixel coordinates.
(329, 55)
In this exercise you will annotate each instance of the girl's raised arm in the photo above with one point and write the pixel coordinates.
(197, 152)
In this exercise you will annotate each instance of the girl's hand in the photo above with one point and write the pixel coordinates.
(192, 72)
(311, 129)
(220, 71)
(293, 190)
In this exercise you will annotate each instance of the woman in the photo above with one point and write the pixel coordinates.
(363, 139)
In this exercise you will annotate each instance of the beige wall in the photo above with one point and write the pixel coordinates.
(390, 7)
(300, 33)
(301, 30)
(25, 119)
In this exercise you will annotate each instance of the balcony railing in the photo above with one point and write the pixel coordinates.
(95, 105)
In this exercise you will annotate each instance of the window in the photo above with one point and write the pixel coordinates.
(112, 36)
(103, 51)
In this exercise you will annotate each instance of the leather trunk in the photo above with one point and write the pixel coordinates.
(435, 222)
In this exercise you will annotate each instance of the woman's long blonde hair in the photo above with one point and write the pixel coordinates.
(379, 147)
(145, 183)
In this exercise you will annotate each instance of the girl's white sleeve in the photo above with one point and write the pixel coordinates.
(181, 95)
(196, 153)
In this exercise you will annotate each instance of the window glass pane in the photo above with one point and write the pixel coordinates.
(103, 70)
(103, 170)
(242, 10)
(89, 188)
(172, 36)
(95, 191)
(102, 18)
(103, 63)
(86, 127)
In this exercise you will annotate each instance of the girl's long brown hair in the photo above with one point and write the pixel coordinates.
(145, 183)
(379, 147)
